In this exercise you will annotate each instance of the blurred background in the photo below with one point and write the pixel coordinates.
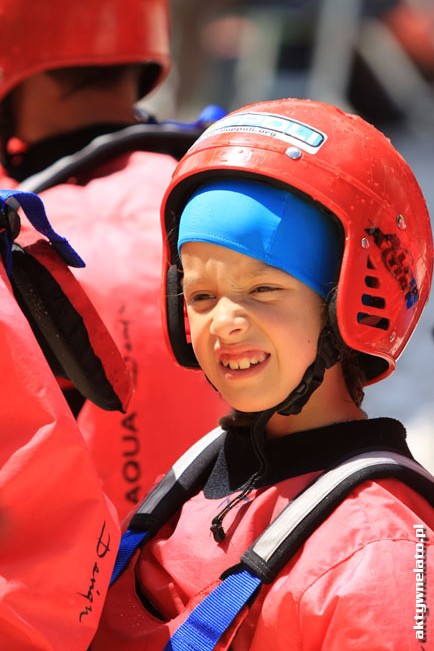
(372, 57)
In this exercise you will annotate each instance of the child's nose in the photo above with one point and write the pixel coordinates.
(229, 319)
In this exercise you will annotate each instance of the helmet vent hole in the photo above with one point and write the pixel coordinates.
(372, 321)
(372, 281)
(373, 301)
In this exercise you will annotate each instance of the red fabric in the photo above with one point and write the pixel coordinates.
(58, 533)
(113, 222)
(352, 586)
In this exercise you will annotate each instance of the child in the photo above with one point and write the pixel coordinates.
(300, 243)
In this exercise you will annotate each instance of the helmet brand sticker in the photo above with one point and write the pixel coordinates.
(397, 261)
(271, 125)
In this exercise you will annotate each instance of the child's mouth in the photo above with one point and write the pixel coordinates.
(244, 362)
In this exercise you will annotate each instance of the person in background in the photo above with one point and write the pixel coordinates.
(72, 73)
(300, 242)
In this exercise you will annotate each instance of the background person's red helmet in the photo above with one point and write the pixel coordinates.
(353, 171)
(52, 34)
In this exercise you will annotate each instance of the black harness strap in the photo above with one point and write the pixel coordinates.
(182, 481)
(170, 139)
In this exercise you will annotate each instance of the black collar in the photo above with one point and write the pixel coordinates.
(299, 453)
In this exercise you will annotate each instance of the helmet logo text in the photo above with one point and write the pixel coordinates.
(273, 126)
(397, 261)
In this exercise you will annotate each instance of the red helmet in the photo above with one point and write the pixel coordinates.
(52, 34)
(353, 171)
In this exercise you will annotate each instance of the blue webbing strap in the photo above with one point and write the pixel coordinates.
(208, 116)
(206, 624)
(130, 541)
(212, 617)
(35, 213)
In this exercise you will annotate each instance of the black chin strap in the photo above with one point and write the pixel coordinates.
(327, 356)
(258, 438)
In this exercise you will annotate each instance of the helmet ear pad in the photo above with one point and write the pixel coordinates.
(176, 319)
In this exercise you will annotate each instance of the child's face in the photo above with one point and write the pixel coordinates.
(254, 328)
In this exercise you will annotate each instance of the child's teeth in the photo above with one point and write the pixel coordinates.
(244, 363)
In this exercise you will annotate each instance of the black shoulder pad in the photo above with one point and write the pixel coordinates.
(69, 331)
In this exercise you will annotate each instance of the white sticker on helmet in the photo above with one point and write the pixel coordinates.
(274, 126)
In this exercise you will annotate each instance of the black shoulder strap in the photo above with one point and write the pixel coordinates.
(165, 138)
(65, 333)
(182, 481)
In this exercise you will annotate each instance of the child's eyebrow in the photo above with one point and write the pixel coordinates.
(261, 269)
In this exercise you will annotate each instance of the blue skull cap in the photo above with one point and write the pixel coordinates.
(267, 223)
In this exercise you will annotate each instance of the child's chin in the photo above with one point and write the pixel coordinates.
(253, 406)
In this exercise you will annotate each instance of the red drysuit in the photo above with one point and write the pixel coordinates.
(352, 585)
(58, 532)
(112, 218)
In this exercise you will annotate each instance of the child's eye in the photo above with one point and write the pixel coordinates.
(198, 298)
(262, 289)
